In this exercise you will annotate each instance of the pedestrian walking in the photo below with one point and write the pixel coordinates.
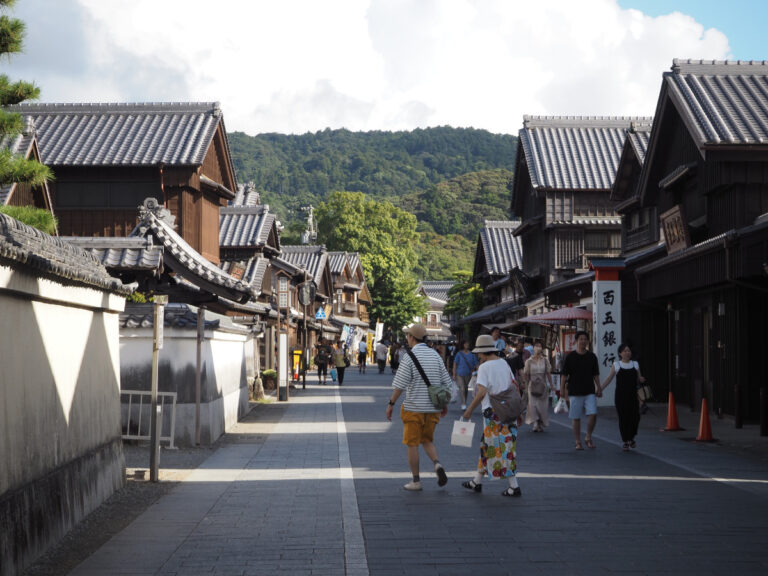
(538, 383)
(498, 443)
(394, 356)
(628, 377)
(340, 361)
(498, 341)
(419, 415)
(581, 378)
(464, 364)
(381, 351)
(322, 359)
(362, 356)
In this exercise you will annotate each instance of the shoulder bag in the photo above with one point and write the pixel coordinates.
(509, 404)
(440, 395)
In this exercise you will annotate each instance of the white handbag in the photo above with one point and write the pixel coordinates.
(462, 433)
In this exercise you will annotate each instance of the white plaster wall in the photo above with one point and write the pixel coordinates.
(224, 385)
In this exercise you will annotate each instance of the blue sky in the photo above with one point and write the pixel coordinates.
(744, 22)
(293, 66)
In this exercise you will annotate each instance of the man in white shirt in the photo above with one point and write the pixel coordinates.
(362, 355)
(418, 413)
(381, 356)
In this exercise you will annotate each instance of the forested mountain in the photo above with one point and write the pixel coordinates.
(450, 178)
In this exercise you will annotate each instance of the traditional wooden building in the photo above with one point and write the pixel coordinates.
(564, 174)
(351, 299)
(22, 194)
(109, 157)
(706, 177)
(497, 268)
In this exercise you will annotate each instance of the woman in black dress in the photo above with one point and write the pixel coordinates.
(627, 373)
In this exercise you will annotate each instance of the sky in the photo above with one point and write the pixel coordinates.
(296, 66)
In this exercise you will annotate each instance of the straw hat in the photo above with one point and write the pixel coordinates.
(484, 345)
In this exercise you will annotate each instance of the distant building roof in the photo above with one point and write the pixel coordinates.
(503, 251)
(246, 195)
(436, 290)
(638, 135)
(574, 152)
(251, 270)
(721, 102)
(24, 246)
(125, 134)
(175, 315)
(245, 226)
(337, 261)
(313, 259)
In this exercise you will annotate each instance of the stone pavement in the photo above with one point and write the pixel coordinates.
(323, 495)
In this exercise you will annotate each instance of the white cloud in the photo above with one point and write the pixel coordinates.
(303, 65)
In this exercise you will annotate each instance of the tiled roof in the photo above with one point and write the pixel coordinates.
(721, 102)
(313, 259)
(254, 269)
(247, 195)
(437, 290)
(51, 256)
(133, 253)
(336, 262)
(245, 226)
(18, 145)
(638, 136)
(185, 260)
(182, 316)
(503, 251)
(124, 134)
(573, 152)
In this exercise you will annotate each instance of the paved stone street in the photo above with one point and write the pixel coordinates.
(323, 495)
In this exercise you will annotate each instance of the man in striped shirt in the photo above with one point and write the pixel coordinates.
(418, 413)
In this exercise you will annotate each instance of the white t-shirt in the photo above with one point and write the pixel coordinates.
(363, 347)
(495, 376)
(626, 365)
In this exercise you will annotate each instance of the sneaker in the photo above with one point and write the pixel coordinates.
(413, 486)
(442, 477)
(463, 406)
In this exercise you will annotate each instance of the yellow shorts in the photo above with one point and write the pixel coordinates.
(418, 427)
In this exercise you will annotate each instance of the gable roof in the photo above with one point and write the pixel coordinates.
(337, 261)
(246, 226)
(501, 248)
(721, 102)
(631, 162)
(573, 152)
(313, 259)
(436, 289)
(126, 134)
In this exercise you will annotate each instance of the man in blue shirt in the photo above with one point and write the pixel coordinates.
(498, 342)
(464, 364)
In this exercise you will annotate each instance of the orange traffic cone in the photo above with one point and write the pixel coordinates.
(705, 430)
(296, 371)
(672, 424)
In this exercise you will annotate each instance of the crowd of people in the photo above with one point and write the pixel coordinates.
(479, 373)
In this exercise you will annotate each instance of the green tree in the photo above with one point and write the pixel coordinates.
(15, 168)
(465, 298)
(385, 237)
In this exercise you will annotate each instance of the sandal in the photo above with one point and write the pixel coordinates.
(471, 485)
(625, 447)
(579, 446)
(632, 444)
(589, 443)
(512, 492)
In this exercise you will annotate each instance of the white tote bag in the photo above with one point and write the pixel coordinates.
(462, 433)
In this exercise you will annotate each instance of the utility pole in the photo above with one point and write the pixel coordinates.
(155, 409)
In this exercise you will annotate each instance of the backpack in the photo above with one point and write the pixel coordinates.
(439, 394)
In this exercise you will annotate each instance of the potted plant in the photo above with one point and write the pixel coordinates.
(269, 376)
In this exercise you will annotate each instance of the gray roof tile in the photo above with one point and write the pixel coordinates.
(120, 134)
(337, 261)
(245, 226)
(722, 102)
(503, 251)
(253, 268)
(51, 256)
(437, 290)
(313, 259)
(573, 152)
(117, 253)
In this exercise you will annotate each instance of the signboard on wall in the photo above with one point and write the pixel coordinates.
(606, 330)
(675, 229)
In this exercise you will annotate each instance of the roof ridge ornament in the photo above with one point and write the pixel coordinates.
(151, 206)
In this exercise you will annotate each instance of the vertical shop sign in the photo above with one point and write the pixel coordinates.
(606, 333)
